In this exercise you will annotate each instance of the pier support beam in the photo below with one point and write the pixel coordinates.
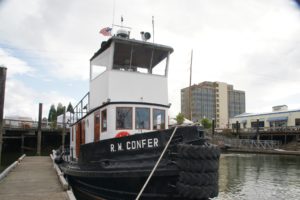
(39, 134)
(2, 94)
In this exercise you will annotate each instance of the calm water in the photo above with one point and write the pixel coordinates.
(251, 176)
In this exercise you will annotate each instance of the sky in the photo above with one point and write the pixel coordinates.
(253, 44)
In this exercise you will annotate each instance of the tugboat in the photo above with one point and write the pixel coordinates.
(120, 144)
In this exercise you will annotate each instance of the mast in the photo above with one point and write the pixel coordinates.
(190, 98)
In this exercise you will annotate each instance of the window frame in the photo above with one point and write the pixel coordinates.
(131, 119)
(153, 119)
(135, 121)
(103, 128)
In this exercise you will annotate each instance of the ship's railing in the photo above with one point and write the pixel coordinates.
(81, 109)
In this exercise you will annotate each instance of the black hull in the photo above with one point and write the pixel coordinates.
(113, 169)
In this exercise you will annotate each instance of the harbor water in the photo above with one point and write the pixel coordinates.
(259, 177)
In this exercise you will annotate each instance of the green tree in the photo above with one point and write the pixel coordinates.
(60, 109)
(180, 118)
(70, 108)
(206, 123)
(52, 116)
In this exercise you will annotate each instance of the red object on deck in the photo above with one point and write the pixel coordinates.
(122, 134)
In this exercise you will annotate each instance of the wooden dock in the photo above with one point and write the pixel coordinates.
(33, 179)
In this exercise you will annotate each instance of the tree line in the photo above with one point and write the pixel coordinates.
(206, 123)
(59, 110)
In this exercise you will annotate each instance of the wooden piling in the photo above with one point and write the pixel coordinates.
(39, 134)
(64, 130)
(2, 95)
(257, 130)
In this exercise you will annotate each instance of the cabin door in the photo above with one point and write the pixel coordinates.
(82, 139)
(80, 136)
(96, 126)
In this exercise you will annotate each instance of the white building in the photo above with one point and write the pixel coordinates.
(279, 117)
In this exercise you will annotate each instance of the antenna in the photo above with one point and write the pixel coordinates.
(190, 101)
(153, 27)
(114, 8)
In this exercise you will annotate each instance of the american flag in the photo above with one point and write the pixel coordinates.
(106, 31)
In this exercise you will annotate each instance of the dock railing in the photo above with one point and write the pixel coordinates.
(252, 144)
(26, 124)
(283, 129)
(224, 141)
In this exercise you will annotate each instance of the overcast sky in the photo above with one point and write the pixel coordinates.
(252, 44)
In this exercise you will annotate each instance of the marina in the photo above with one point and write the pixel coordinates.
(204, 106)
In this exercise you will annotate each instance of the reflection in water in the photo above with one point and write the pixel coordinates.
(251, 176)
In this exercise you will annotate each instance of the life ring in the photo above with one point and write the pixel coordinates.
(122, 134)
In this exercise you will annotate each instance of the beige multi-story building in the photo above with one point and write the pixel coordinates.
(212, 100)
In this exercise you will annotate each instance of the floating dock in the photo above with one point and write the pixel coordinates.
(33, 178)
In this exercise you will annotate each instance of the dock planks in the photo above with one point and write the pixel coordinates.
(33, 179)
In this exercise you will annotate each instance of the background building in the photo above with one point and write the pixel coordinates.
(279, 117)
(212, 100)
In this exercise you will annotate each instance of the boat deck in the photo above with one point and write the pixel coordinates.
(34, 178)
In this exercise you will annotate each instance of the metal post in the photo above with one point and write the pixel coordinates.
(190, 88)
(213, 127)
(2, 94)
(237, 129)
(39, 135)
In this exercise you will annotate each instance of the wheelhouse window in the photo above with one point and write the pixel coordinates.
(141, 57)
(100, 63)
(103, 120)
(124, 118)
(158, 119)
(142, 118)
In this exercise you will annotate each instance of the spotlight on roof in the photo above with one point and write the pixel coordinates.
(145, 36)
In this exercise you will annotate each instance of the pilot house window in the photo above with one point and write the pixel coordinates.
(124, 118)
(103, 121)
(142, 118)
(158, 119)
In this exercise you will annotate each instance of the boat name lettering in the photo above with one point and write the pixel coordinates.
(134, 145)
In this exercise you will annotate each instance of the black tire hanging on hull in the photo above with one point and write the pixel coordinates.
(199, 166)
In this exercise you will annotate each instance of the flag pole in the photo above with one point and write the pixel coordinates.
(114, 9)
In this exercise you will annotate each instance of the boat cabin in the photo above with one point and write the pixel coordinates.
(128, 92)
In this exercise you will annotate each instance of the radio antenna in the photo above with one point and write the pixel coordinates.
(114, 9)
(153, 27)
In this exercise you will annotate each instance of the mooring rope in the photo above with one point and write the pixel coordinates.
(154, 168)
